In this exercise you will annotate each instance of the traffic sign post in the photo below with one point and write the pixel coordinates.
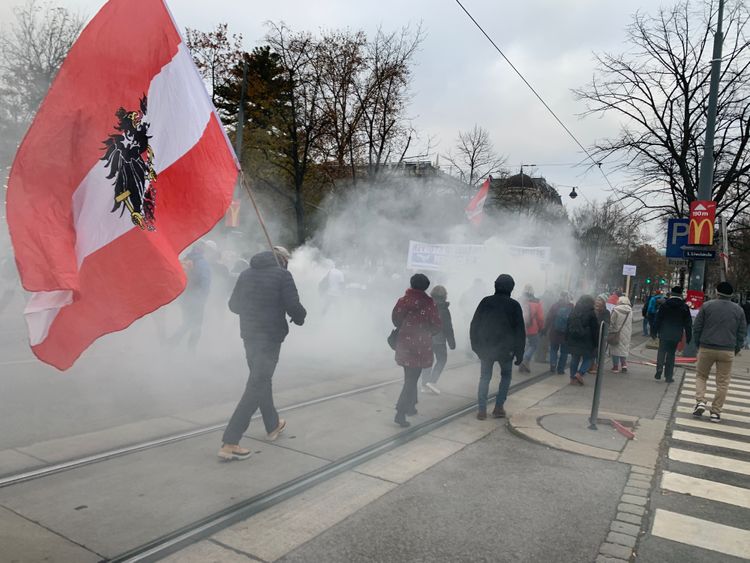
(628, 270)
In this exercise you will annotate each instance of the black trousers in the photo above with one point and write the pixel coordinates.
(408, 399)
(262, 357)
(665, 357)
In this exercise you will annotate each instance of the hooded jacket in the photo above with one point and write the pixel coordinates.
(497, 330)
(264, 294)
(583, 331)
(673, 319)
(445, 336)
(417, 319)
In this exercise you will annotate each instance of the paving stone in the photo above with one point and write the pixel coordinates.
(629, 518)
(622, 539)
(632, 499)
(614, 550)
(637, 477)
(641, 470)
(605, 559)
(636, 491)
(631, 509)
(623, 528)
(638, 484)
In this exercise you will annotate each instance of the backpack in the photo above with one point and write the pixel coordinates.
(576, 329)
(561, 319)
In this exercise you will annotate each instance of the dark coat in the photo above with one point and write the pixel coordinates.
(446, 332)
(417, 319)
(198, 277)
(582, 335)
(673, 319)
(264, 294)
(556, 336)
(497, 329)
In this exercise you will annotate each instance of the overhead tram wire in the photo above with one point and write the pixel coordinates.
(549, 109)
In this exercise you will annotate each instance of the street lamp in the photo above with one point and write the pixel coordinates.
(573, 193)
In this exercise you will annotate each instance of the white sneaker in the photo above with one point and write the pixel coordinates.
(432, 387)
(422, 389)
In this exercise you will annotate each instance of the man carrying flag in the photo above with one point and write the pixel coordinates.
(125, 165)
(475, 209)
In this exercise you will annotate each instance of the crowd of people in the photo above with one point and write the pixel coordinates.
(502, 330)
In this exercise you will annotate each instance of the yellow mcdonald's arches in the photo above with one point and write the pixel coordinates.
(696, 231)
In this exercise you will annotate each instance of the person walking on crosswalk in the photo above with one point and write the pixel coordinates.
(719, 332)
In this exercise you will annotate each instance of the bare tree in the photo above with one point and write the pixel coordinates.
(659, 89)
(475, 157)
(32, 48)
(215, 54)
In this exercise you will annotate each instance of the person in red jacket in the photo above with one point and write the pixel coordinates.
(417, 319)
(533, 316)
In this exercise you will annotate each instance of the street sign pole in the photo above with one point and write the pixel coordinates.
(698, 272)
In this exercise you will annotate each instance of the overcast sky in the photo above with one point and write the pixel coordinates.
(459, 79)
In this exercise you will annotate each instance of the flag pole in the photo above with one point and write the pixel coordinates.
(249, 191)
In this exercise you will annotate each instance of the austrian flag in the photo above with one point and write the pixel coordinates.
(125, 165)
(475, 209)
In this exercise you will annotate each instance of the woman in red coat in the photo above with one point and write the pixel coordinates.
(417, 318)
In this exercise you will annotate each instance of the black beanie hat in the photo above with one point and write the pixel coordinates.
(419, 281)
(725, 289)
(677, 290)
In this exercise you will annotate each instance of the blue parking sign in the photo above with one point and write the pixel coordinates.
(677, 237)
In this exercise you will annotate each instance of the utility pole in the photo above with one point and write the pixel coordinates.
(706, 180)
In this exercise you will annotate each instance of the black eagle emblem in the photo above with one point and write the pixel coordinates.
(130, 161)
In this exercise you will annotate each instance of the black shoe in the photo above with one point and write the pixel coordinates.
(561, 372)
(499, 412)
(669, 380)
(401, 421)
(657, 375)
(412, 412)
(699, 409)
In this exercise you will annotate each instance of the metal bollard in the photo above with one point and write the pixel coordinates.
(603, 332)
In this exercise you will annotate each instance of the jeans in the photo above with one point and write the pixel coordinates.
(532, 343)
(431, 375)
(262, 357)
(645, 326)
(192, 322)
(407, 400)
(617, 360)
(579, 364)
(485, 374)
(706, 359)
(665, 357)
(557, 363)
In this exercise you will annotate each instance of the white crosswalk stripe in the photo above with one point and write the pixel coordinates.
(707, 475)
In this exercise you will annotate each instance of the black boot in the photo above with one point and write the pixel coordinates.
(657, 375)
(401, 420)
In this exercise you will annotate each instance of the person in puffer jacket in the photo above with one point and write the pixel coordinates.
(417, 319)
(264, 295)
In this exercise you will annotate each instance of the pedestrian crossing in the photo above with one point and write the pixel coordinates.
(705, 483)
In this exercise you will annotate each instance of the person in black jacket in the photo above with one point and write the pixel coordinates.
(583, 338)
(440, 341)
(498, 334)
(672, 321)
(264, 294)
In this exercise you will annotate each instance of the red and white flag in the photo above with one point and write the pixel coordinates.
(475, 209)
(125, 165)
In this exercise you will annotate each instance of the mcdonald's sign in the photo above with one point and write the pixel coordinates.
(702, 217)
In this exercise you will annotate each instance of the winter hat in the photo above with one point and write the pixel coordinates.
(420, 282)
(725, 289)
(282, 252)
(439, 293)
(528, 289)
(504, 284)
(677, 290)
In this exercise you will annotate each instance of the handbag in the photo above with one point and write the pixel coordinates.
(393, 338)
(613, 338)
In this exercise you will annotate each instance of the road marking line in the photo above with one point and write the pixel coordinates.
(701, 533)
(690, 400)
(705, 424)
(703, 488)
(711, 383)
(724, 415)
(733, 381)
(709, 460)
(706, 440)
(713, 389)
(729, 398)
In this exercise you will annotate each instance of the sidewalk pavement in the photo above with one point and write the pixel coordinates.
(482, 490)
